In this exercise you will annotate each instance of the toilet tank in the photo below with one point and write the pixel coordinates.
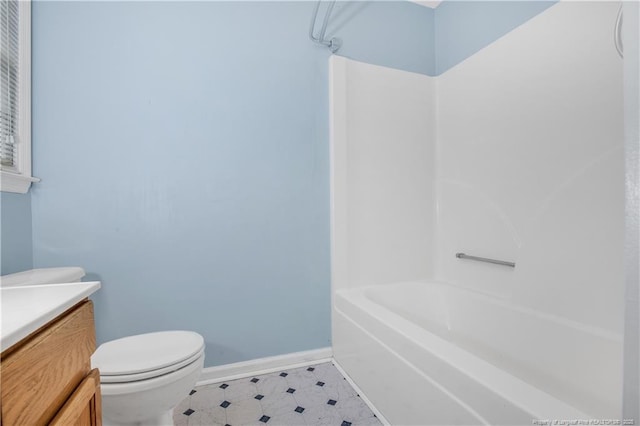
(70, 274)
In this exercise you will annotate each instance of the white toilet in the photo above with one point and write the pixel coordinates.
(142, 377)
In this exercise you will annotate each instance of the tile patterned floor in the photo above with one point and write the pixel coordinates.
(316, 395)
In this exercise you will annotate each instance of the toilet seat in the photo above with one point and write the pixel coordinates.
(146, 356)
(126, 378)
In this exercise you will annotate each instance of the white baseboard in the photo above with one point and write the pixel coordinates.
(366, 400)
(255, 367)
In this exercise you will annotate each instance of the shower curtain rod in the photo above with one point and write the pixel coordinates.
(333, 44)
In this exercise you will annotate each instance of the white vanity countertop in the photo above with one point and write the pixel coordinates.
(24, 309)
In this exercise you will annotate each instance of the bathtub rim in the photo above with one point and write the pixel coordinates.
(503, 302)
(538, 403)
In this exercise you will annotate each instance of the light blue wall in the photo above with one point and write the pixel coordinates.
(401, 36)
(183, 152)
(462, 28)
(15, 232)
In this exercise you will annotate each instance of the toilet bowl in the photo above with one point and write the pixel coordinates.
(143, 377)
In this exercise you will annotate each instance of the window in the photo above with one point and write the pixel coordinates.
(15, 96)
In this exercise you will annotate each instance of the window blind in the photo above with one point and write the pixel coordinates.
(9, 82)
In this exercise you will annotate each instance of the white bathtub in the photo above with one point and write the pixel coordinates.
(431, 353)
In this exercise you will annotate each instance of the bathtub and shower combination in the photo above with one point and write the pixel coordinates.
(425, 167)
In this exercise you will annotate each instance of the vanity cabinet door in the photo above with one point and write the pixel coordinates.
(83, 408)
(40, 373)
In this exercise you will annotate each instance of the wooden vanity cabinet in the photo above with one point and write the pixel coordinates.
(47, 379)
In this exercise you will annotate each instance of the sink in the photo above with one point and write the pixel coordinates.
(26, 308)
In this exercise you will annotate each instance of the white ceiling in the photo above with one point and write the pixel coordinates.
(427, 3)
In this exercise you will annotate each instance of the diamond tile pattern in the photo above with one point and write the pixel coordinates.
(316, 395)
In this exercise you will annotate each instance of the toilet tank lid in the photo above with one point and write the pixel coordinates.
(67, 274)
(146, 352)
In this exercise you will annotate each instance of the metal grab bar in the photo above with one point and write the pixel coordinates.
(484, 259)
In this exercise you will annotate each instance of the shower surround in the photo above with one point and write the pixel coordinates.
(514, 154)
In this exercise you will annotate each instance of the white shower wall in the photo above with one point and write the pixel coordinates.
(514, 154)
(530, 166)
(388, 118)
